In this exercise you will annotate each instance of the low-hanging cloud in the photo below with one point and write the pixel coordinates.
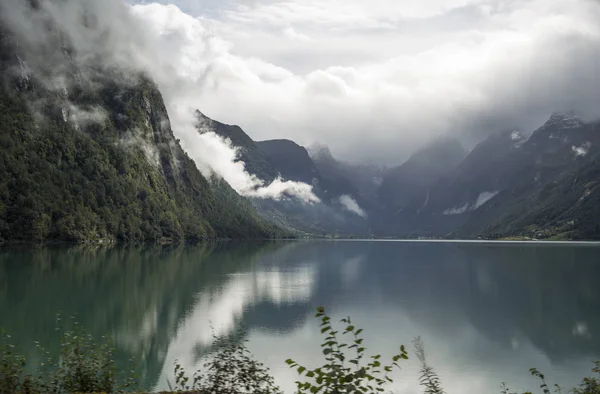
(351, 205)
(215, 154)
(581, 150)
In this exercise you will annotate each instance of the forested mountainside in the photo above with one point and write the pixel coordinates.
(87, 153)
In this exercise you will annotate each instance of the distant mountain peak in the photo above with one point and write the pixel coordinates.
(564, 120)
(320, 152)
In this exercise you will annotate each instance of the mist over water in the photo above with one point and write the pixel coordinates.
(487, 312)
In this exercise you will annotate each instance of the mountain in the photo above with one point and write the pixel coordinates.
(553, 181)
(403, 183)
(337, 213)
(405, 189)
(543, 186)
(463, 188)
(361, 181)
(87, 152)
(291, 161)
(255, 160)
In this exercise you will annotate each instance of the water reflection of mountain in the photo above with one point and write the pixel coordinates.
(159, 303)
(139, 295)
(546, 295)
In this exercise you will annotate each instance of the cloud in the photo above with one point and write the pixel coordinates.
(351, 205)
(375, 80)
(214, 154)
(292, 34)
(457, 210)
(386, 76)
(483, 198)
(581, 150)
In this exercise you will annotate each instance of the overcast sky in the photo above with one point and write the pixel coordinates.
(374, 79)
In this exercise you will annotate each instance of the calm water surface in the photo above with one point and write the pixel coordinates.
(487, 312)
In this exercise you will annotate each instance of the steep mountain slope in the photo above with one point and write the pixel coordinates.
(255, 160)
(447, 204)
(401, 184)
(553, 186)
(291, 161)
(87, 153)
(361, 181)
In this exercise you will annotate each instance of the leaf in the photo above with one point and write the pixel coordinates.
(301, 369)
(321, 309)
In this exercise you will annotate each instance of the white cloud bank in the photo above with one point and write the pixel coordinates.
(374, 80)
(215, 154)
(351, 205)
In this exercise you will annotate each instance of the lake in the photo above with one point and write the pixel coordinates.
(487, 312)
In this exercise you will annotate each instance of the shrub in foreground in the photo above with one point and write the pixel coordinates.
(86, 367)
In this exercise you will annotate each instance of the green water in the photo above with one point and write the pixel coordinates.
(487, 312)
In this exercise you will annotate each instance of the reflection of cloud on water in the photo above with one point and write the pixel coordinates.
(466, 360)
(219, 310)
(136, 339)
(350, 270)
(581, 329)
